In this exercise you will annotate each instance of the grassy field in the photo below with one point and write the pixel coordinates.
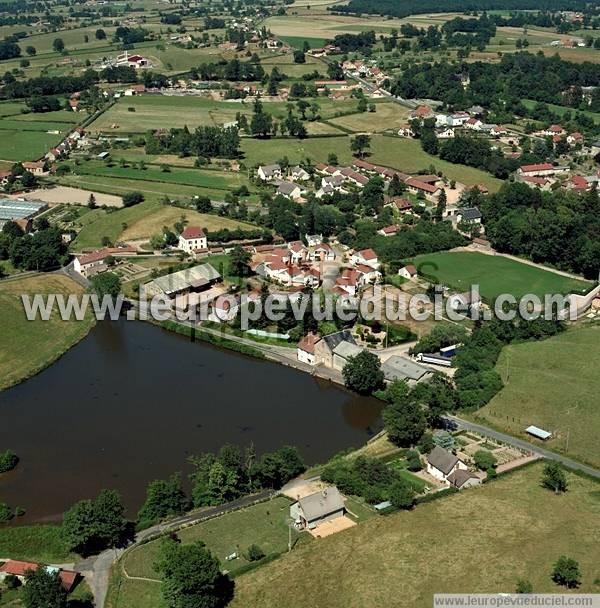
(553, 384)
(166, 216)
(388, 560)
(158, 111)
(36, 543)
(495, 275)
(388, 115)
(298, 41)
(28, 347)
(561, 110)
(400, 153)
(264, 524)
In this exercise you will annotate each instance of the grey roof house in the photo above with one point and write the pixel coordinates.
(401, 368)
(310, 511)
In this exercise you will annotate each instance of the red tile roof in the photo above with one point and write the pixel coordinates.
(414, 182)
(307, 343)
(18, 568)
(367, 254)
(193, 232)
(537, 167)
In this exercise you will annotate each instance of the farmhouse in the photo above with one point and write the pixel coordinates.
(193, 239)
(314, 509)
(92, 263)
(441, 463)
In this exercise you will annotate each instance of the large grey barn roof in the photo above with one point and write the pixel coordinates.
(197, 276)
(401, 368)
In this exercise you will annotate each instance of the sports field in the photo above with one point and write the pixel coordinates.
(27, 347)
(553, 384)
(495, 275)
(394, 560)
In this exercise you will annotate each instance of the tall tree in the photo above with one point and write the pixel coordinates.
(43, 589)
(554, 477)
(192, 576)
(363, 373)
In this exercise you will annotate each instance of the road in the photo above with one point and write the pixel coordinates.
(96, 569)
(523, 445)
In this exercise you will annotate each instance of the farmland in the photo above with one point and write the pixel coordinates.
(499, 523)
(554, 385)
(495, 275)
(28, 347)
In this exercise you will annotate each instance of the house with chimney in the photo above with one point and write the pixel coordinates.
(193, 240)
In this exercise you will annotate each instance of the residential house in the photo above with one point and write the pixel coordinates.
(192, 240)
(575, 138)
(314, 239)
(367, 257)
(468, 214)
(19, 569)
(416, 185)
(498, 131)
(306, 349)
(322, 252)
(405, 130)
(409, 272)
(422, 112)
(537, 182)
(474, 124)
(554, 130)
(310, 511)
(397, 203)
(441, 463)
(324, 348)
(447, 133)
(289, 190)
(297, 252)
(269, 172)
(300, 174)
(389, 230)
(37, 168)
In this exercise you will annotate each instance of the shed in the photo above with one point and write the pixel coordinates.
(400, 368)
(539, 433)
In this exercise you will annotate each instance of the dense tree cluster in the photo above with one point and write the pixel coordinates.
(43, 250)
(354, 42)
(233, 70)
(559, 228)
(404, 8)
(231, 473)
(204, 141)
(164, 498)
(370, 478)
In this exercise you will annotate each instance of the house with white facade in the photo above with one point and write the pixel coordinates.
(193, 239)
(441, 463)
(268, 173)
(367, 257)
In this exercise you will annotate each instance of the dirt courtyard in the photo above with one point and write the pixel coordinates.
(70, 196)
(327, 528)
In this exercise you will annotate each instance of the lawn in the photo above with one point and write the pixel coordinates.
(35, 543)
(495, 275)
(19, 145)
(214, 180)
(388, 115)
(553, 384)
(264, 524)
(27, 347)
(298, 41)
(387, 561)
(561, 110)
(167, 215)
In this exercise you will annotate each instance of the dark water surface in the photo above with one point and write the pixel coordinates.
(131, 402)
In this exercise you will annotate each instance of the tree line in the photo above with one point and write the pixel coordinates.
(205, 141)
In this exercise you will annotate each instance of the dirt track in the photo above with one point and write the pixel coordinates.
(70, 196)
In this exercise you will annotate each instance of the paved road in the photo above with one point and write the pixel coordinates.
(524, 445)
(96, 569)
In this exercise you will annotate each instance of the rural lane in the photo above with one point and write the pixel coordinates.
(523, 445)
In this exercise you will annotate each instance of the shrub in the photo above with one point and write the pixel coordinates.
(8, 461)
(255, 553)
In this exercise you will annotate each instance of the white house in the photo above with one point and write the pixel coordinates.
(474, 124)
(314, 509)
(192, 239)
(298, 173)
(367, 257)
(447, 133)
(289, 190)
(306, 349)
(408, 272)
(441, 463)
(91, 263)
(269, 172)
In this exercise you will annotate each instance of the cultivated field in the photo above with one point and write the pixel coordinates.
(494, 275)
(553, 384)
(26, 347)
(71, 196)
(166, 216)
(389, 561)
